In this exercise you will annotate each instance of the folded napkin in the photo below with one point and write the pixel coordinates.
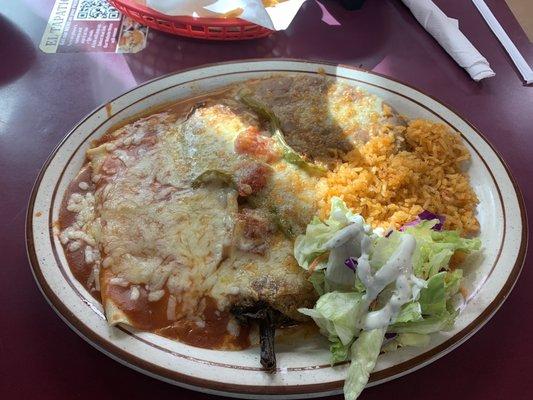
(446, 31)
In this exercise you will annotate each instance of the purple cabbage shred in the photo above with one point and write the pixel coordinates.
(351, 263)
(427, 216)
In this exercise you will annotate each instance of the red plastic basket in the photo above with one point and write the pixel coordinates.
(200, 28)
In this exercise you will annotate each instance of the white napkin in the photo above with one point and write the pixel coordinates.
(446, 31)
(253, 10)
(276, 18)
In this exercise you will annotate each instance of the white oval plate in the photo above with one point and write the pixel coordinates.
(303, 368)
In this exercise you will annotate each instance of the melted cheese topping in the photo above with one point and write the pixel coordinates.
(156, 230)
(275, 278)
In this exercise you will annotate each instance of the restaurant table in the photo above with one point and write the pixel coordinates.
(42, 96)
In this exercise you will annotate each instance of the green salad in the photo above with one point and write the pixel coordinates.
(379, 291)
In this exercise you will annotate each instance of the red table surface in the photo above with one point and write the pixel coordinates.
(43, 95)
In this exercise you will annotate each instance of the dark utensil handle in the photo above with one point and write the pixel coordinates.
(352, 4)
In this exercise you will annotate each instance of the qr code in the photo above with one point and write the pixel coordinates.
(96, 10)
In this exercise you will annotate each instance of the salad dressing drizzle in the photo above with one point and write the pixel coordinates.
(398, 268)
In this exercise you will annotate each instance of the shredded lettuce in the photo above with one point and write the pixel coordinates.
(433, 297)
(406, 339)
(339, 352)
(434, 249)
(364, 352)
(317, 279)
(453, 281)
(336, 313)
(313, 244)
(343, 252)
(437, 323)
(383, 248)
(410, 312)
(413, 339)
(436, 313)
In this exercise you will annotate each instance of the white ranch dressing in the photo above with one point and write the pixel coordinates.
(343, 245)
(399, 269)
(353, 240)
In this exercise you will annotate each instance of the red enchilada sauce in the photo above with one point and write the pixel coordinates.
(76, 259)
(208, 334)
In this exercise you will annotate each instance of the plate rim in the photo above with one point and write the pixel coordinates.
(191, 382)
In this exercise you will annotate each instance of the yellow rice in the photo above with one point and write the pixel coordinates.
(390, 187)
